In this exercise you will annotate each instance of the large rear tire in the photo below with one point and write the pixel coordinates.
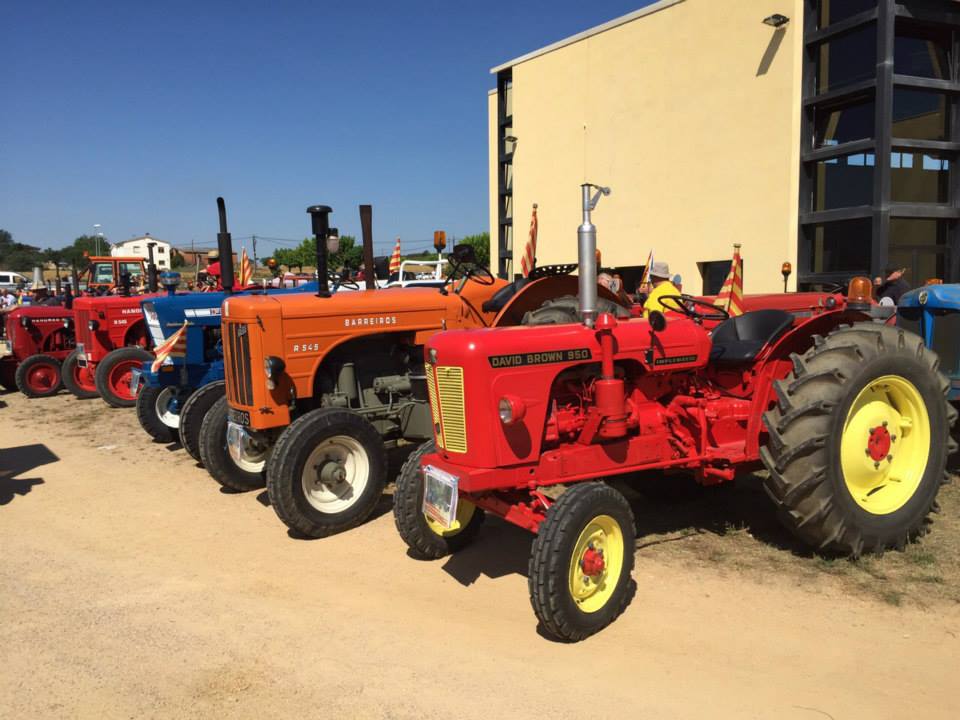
(216, 457)
(194, 410)
(858, 442)
(566, 309)
(327, 472)
(427, 539)
(156, 416)
(77, 379)
(580, 564)
(39, 376)
(114, 373)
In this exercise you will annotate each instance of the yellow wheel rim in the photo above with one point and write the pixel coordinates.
(465, 510)
(885, 445)
(596, 563)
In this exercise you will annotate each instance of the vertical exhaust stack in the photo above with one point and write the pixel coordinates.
(225, 248)
(587, 254)
(366, 226)
(151, 270)
(320, 217)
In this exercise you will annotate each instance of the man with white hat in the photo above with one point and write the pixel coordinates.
(660, 279)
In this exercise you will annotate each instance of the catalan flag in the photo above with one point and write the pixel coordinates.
(646, 269)
(731, 294)
(173, 346)
(246, 269)
(529, 259)
(395, 258)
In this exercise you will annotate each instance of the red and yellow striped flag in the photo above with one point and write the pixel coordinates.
(246, 269)
(173, 346)
(731, 294)
(395, 258)
(646, 270)
(529, 259)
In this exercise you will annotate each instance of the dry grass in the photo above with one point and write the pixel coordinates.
(734, 528)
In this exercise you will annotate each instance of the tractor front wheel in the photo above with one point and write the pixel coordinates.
(580, 565)
(327, 473)
(39, 376)
(242, 476)
(157, 412)
(193, 412)
(115, 372)
(859, 440)
(427, 539)
(78, 380)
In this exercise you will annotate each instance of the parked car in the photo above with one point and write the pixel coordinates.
(12, 280)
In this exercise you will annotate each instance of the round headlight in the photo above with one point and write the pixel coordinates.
(273, 367)
(24, 321)
(92, 325)
(511, 409)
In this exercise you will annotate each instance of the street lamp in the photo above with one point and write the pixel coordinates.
(98, 235)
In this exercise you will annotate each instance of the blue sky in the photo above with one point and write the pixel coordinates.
(137, 115)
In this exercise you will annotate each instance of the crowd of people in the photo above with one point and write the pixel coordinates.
(37, 294)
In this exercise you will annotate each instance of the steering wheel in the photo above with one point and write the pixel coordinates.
(541, 271)
(687, 304)
(478, 273)
(338, 282)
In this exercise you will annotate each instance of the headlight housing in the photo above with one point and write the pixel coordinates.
(92, 325)
(24, 321)
(273, 367)
(511, 409)
(68, 323)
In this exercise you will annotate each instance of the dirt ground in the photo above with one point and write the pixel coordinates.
(131, 586)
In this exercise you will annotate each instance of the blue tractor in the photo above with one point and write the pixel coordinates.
(932, 313)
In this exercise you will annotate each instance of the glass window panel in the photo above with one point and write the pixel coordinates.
(840, 125)
(917, 232)
(847, 59)
(131, 267)
(919, 115)
(841, 182)
(831, 11)
(841, 246)
(103, 272)
(921, 53)
(919, 178)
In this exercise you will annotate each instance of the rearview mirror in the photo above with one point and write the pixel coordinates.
(657, 321)
(464, 253)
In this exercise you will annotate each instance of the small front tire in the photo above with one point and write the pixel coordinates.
(78, 379)
(427, 539)
(114, 373)
(193, 412)
(39, 376)
(215, 455)
(154, 413)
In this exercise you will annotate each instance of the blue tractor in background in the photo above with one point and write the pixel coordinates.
(933, 313)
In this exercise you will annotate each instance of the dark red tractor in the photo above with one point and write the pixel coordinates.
(36, 340)
(539, 425)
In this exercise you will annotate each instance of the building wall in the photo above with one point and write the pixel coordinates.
(137, 247)
(691, 115)
(492, 168)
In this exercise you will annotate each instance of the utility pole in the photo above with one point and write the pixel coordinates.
(254, 237)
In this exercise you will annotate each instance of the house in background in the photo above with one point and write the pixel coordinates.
(137, 247)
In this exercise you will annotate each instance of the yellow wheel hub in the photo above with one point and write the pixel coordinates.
(465, 510)
(885, 445)
(596, 563)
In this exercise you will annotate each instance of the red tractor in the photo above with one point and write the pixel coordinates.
(37, 339)
(538, 424)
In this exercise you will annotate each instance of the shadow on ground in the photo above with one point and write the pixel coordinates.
(18, 460)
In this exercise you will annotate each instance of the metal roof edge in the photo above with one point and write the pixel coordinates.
(616, 22)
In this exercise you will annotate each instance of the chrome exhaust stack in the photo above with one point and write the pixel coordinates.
(587, 254)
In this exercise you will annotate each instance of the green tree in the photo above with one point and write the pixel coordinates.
(176, 260)
(78, 254)
(349, 255)
(481, 245)
(17, 256)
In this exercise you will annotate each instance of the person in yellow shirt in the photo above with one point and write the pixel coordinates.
(660, 279)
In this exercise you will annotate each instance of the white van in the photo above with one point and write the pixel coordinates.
(12, 280)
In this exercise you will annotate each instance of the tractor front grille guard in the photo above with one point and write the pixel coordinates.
(237, 357)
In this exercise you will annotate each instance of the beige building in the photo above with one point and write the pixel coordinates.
(769, 123)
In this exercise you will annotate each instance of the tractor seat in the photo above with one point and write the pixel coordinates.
(502, 296)
(742, 337)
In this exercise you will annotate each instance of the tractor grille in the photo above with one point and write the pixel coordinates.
(434, 405)
(80, 320)
(237, 358)
(452, 412)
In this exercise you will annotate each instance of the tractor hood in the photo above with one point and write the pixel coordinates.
(938, 297)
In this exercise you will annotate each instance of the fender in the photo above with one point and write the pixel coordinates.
(533, 295)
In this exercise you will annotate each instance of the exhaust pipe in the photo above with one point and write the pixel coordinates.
(320, 217)
(225, 248)
(151, 270)
(587, 254)
(366, 226)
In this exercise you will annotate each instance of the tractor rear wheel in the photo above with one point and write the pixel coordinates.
(156, 414)
(216, 458)
(566, 309)
(580, 564)
(427, 539)
(39, 376)
(858, 442)
(193, 412)
(115, 372)
(327, 472)
(78, 380)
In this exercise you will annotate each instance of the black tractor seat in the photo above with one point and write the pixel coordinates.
(502, 296)
(742, 337)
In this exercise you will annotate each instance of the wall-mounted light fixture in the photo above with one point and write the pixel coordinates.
(510, 138)
(776, 20)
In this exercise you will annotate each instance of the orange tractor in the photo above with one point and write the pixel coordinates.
(320, 386)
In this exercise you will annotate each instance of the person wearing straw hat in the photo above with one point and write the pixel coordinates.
(662, 287)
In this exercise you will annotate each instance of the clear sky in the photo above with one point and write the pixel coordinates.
(137, 115)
